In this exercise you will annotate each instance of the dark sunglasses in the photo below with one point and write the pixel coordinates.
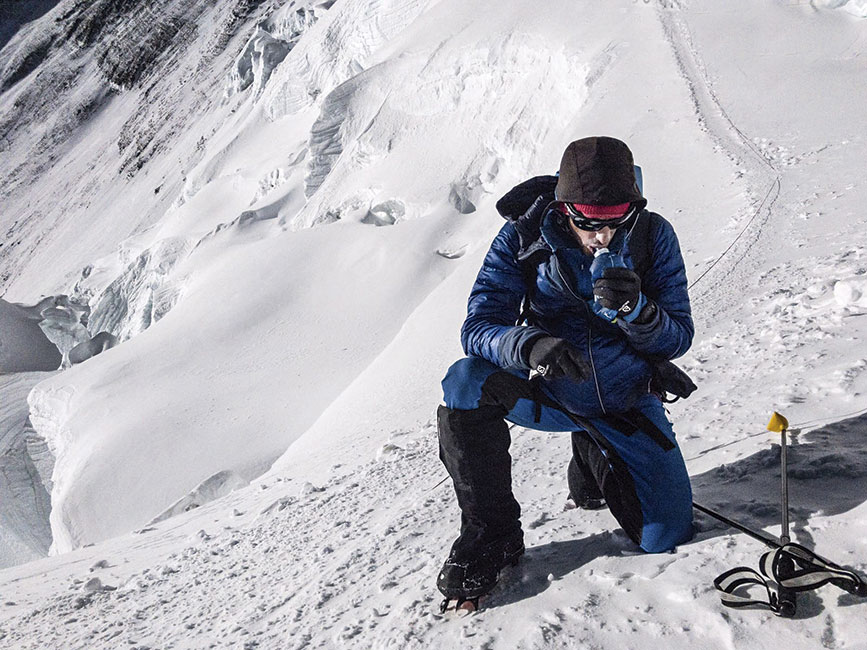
(583, 222)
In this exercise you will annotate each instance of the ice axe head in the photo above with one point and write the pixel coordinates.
(778, 423)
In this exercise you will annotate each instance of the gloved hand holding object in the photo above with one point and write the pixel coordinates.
(554, 357)
(618, 290)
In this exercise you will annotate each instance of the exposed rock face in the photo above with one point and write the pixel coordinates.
(87, 21)
(14, 14)
(130, 36)
(60, 73)
(157, 30)
(26, 61)
(238, 16)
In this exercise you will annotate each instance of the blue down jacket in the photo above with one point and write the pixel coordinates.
(620, 353)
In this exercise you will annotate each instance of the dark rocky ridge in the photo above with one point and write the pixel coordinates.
(158, 30)
(242, 10)
(58, 73)
(26, 62)
(86, 21)
(14, 14)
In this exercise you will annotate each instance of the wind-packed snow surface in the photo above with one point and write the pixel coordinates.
(276, 211)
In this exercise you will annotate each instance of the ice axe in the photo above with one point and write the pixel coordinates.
(785, 602)
(786, 598)
(791, 566)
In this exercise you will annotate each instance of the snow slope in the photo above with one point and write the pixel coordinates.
(288, 303)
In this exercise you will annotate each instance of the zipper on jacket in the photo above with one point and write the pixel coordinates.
(590, 354)
(589, 336)
(590, 314)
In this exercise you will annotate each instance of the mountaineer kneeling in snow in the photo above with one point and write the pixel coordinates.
(597, 287)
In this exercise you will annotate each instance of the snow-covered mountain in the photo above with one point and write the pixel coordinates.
(247, 230)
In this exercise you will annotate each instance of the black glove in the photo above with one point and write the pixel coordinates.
(619, 289)
(552, 357)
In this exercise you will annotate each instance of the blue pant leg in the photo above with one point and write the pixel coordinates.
(464, 381)
(472, 382)
(660, 478)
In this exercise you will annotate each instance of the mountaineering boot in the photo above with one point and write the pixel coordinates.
(470, 572)
(583, 489)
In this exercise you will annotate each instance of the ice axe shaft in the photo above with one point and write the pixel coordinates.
(786, 598)
(784, 489)
(780, 425)
(755, 534)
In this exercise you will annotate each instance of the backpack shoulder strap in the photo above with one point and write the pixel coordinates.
(639, 243)
(533, 252)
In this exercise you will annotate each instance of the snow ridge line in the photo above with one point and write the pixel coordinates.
(715, 121)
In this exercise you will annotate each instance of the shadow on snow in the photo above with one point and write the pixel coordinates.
(827, 476)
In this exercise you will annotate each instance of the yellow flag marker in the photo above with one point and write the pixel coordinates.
(778, 423)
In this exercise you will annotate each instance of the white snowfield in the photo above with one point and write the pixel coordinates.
(277, 211)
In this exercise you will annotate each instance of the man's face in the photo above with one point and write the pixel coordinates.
(592, 240)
